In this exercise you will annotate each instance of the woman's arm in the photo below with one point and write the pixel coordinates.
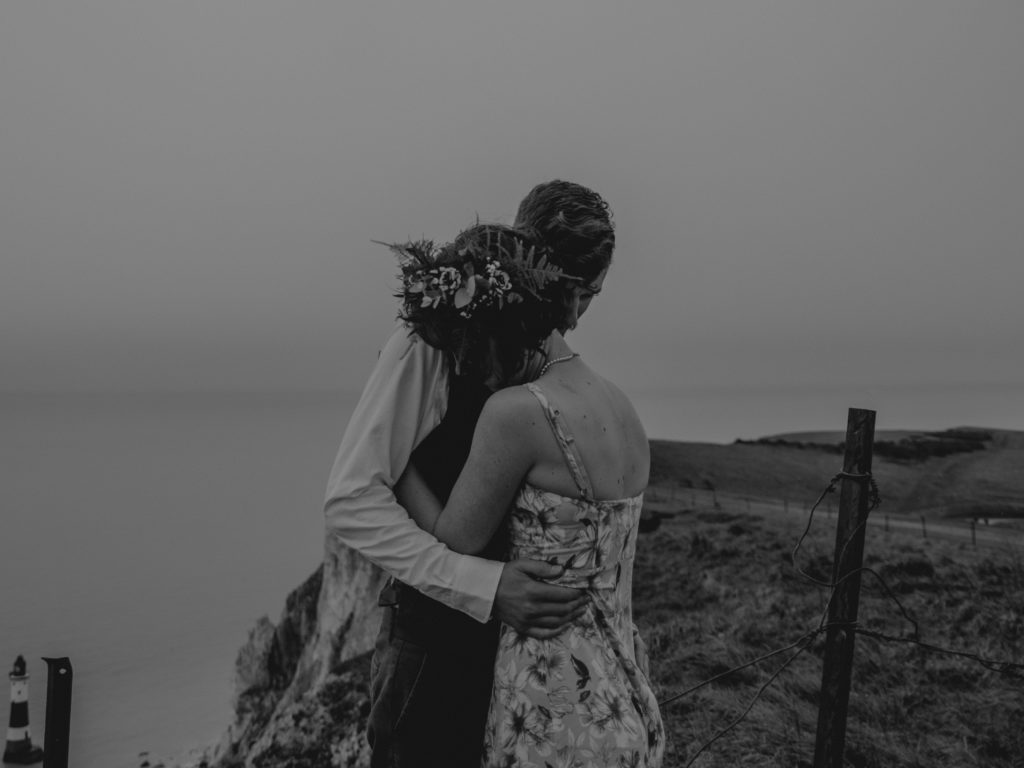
(413, 493)
(502, 454)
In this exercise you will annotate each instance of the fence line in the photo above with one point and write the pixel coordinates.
(804, 642)
(972, 528)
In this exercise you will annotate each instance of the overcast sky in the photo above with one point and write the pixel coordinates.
(805, 192)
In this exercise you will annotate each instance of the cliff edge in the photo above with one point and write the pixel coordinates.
(302, 686)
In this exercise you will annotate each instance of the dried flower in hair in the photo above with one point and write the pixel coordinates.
(492, 285)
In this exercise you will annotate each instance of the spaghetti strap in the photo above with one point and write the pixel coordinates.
(565, 441)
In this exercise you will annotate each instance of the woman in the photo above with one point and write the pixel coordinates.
(558, 464)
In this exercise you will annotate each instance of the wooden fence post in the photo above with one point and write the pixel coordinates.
(58, 712)
(854, 504)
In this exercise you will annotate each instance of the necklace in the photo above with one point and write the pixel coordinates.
(561, 359)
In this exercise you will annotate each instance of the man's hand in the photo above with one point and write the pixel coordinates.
(532, 607)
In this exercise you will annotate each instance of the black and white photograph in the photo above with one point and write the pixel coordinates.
(450, 384)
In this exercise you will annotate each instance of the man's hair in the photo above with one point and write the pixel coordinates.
(574, 224)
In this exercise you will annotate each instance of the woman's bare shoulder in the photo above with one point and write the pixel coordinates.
(624, 406)
(514, 409)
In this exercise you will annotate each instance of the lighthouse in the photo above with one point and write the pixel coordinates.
(19, 749)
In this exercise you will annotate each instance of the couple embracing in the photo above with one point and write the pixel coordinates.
(498, 480)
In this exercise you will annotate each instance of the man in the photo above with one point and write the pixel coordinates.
(434, 656)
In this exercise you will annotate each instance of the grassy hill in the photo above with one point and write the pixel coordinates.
(939, 474)
(715, 587)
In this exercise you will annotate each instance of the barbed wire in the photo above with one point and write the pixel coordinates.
(874, 499)
(804, 641)
(807, 529)
(996, 665)
(728, 672)
(888, 590)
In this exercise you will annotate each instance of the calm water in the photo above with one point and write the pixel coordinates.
(142, 536)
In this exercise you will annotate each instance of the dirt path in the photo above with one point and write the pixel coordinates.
(998, 535)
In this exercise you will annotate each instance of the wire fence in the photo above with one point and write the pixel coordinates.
(805, 640)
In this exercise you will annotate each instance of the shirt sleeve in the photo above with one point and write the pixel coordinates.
(404, 399)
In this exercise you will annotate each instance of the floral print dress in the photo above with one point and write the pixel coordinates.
(579, 699)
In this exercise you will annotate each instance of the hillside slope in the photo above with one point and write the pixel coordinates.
(301, 685)
(986, 479)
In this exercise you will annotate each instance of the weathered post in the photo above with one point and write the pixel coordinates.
(854, 505)
(58, 712)
(708, 485)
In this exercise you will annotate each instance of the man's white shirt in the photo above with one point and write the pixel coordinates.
(404, 399)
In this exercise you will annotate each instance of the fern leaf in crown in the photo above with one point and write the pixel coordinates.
(457, 282)
(533, 272)
(415, 253)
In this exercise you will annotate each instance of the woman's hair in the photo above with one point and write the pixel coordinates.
(573, 223)
(517, 297)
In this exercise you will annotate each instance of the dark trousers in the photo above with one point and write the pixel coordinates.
(431, 679)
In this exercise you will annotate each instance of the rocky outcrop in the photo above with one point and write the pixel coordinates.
(302, 685)
(347, 615)
(321, 727)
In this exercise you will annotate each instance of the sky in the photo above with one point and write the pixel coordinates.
(805, 193)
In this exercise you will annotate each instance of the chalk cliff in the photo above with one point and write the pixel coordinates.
(301, 686)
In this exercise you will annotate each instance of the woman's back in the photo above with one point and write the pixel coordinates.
(607, 432)
(580, 695)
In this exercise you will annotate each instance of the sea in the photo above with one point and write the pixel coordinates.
(142, 535)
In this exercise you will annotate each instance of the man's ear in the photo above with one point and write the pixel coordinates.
(572, 311)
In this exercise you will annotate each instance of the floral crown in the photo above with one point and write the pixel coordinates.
(493, 267)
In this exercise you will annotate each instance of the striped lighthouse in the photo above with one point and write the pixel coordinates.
(19, 747)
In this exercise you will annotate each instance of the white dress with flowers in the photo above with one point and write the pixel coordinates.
(579, 699)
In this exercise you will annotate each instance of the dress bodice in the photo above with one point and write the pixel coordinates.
(594, 539)
(581, 697)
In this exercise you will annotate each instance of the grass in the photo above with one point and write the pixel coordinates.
(980, 483)
(715, 587)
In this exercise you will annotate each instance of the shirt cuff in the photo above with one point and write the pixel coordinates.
(476, 583)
